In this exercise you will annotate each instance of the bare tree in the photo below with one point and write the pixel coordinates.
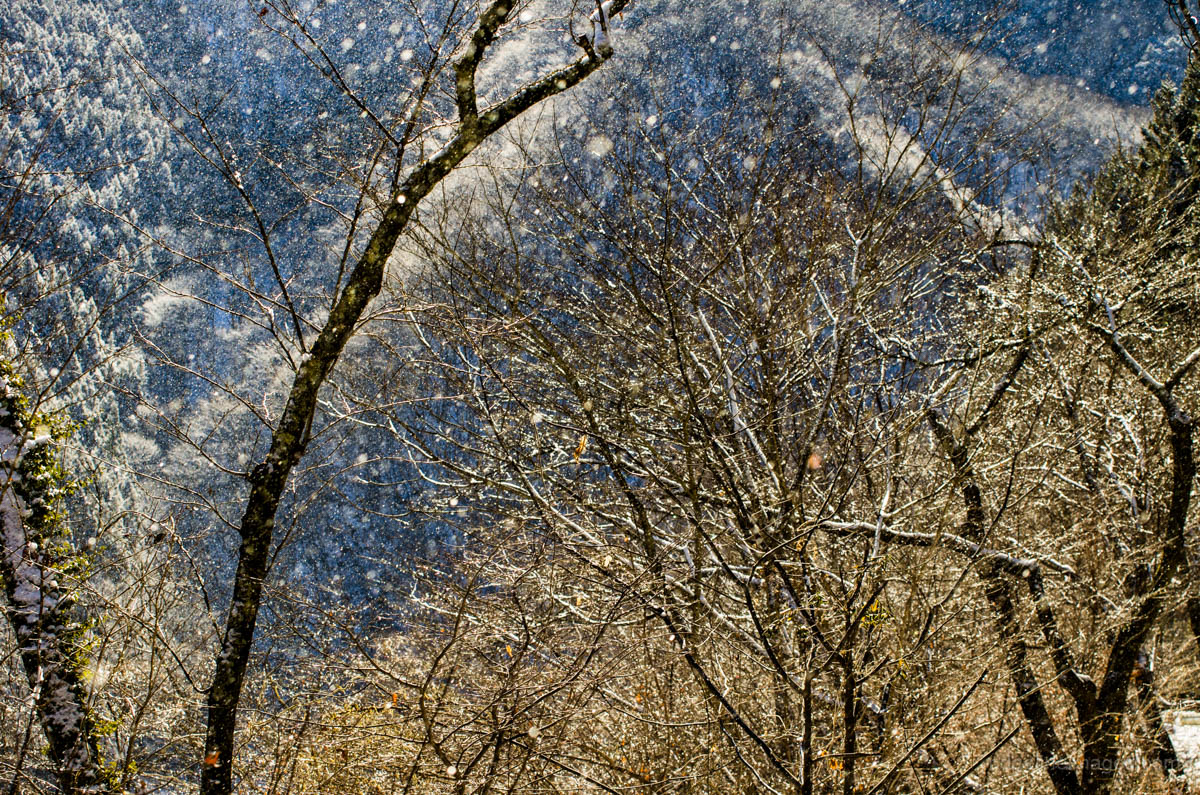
(684, 401)
(411, 143)
(814, 443)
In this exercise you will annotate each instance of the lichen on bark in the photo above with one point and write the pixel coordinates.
(37, 563)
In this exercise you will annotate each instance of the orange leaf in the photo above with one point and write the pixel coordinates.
(212, 759)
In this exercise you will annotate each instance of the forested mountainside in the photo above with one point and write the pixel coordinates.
(1121, 50)
(628, 396)
(270, 106)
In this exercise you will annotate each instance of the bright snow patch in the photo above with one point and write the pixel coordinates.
(1183, 726)
(599, 145)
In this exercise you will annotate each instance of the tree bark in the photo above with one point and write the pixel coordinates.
(1000, 595)
(38, 608)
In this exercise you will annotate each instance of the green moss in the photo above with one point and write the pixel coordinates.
(44, 485)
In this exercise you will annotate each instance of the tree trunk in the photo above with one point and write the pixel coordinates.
(290, 438)
(49, 638)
